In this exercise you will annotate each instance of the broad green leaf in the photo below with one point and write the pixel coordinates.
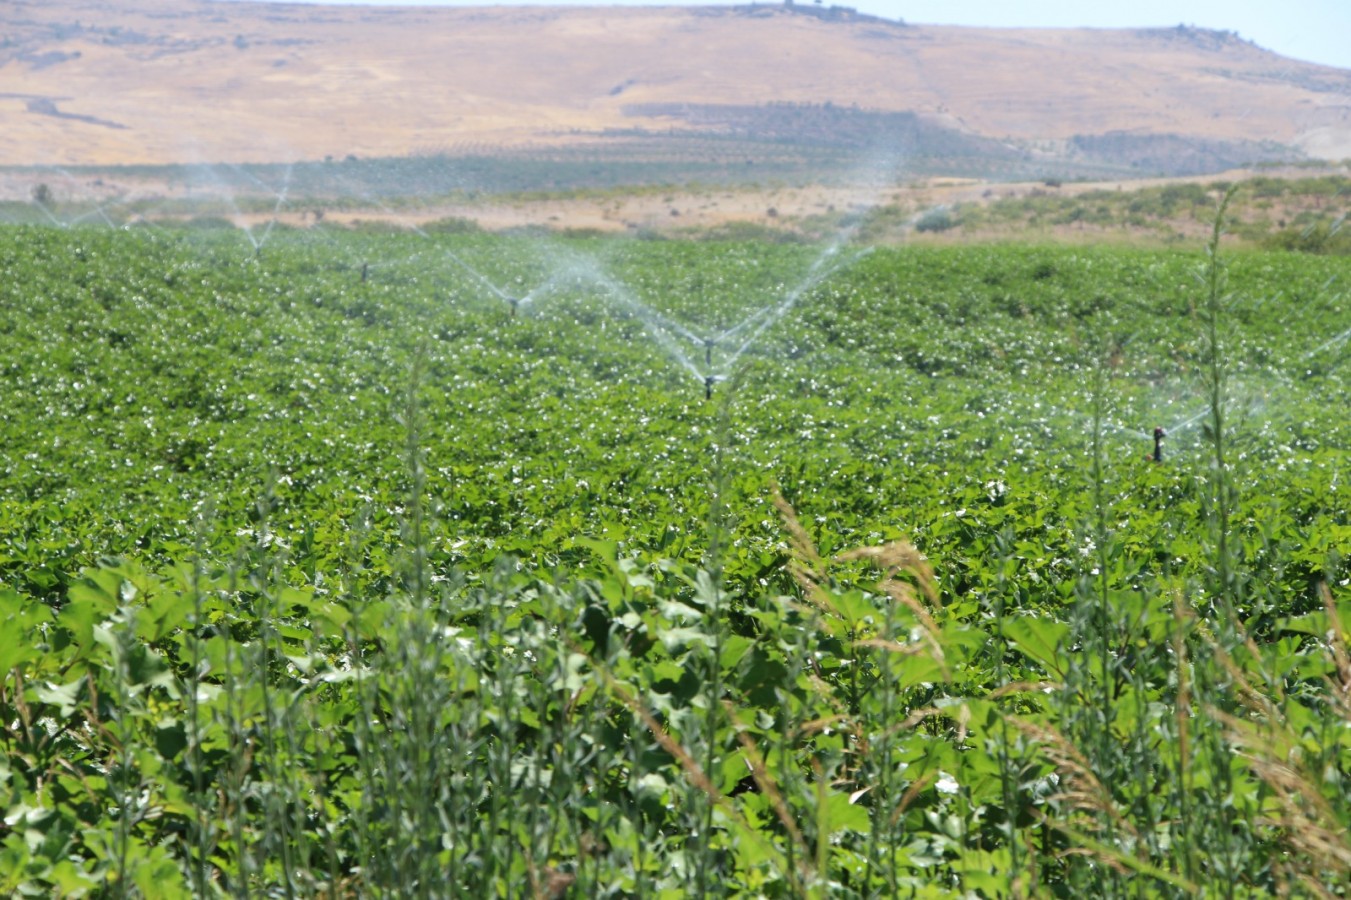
(1042, 640)
(65, 697)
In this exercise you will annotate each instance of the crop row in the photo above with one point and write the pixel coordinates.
(419, 563)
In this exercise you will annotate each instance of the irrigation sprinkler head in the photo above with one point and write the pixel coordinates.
(515, 305)
(709, 344)
(365, 271)
(1159, 435)
(709, 381)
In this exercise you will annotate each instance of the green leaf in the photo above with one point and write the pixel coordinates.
(71, 881)
(65, 697)
(1039, 639)
(844, 814)
(80, 618)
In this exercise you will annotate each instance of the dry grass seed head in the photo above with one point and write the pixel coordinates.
(1082, 790)
(1340, 658)
(961, 717)
(899, 557)
(893, 559)
(806, 565)
(1308, 822)
(801, 543)
(911, 793)
(765, 781)
(808, 568)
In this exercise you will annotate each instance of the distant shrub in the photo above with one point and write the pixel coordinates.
(1264, 187)
(1320, 238)
(751, 231)
(376, 226)
(1043, 270)
(208, 223)
(1174, 195)
(531, 230)
(453, 225)
(1328, 186)
(936, 220)
(581, 232)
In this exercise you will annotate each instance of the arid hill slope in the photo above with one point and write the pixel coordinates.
(148, 81)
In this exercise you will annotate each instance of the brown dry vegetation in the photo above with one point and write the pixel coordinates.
(97, 82)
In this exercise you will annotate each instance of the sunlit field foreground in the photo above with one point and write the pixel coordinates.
(356, 563)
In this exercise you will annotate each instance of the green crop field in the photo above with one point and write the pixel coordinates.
(418, 564)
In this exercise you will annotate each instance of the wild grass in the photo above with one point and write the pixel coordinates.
(1304, 215)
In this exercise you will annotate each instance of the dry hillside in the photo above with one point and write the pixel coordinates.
(152, 81)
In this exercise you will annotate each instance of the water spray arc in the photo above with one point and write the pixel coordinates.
(221, 189)
(671, 335)
(1196, 418)
(46, 211)
(880, 174)
(276, 209)
(818, 273)
(514, 303)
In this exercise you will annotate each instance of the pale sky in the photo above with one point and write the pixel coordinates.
(1311, 30)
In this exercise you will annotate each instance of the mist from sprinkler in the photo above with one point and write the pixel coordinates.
(366, 267)
(71, 190)
(742, 336)
(276, 209)
(1335, 341)
(669, 334)
(732, 342)
(517, 304)
(97, 211)
(818, 273)
(421, 232)
(279, 195)
(658, 327)
(42, 207)
(237, 218)
(1133, 432)
(1193, 419)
